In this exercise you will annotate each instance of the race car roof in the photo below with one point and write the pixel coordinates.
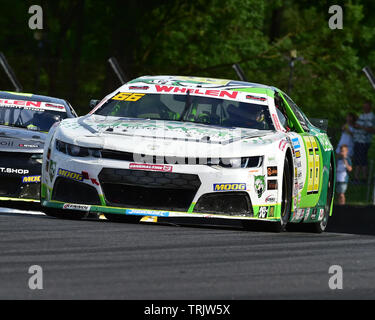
(203, 81)
(212, 83)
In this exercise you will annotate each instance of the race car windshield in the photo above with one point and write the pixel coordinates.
(188, 108)
(37, 120)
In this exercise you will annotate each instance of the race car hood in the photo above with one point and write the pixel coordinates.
(159, 137)
(14, 139)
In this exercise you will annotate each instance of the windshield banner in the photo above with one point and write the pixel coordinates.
(31, 105)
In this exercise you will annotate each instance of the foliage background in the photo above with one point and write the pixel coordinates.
(194, 37)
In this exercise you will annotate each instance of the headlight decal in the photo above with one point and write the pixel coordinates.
(243, 162)
(76, 151)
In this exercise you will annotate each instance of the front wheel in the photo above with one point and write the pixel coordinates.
(286, 199)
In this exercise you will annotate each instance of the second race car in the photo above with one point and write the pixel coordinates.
(25, 120)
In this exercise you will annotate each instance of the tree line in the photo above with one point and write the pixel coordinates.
(68, 58)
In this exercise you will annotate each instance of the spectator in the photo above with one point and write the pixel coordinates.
(347, 134)
(344, 165)
(362, 136)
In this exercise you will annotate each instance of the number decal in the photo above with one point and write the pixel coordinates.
(128, 96)
(313, 164)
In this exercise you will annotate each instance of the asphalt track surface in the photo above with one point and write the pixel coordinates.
(106, 260)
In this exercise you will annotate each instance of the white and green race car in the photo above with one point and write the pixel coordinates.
(191, 150)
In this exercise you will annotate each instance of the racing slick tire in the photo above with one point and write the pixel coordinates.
(286, 199)
(62, 214)
(319, 227)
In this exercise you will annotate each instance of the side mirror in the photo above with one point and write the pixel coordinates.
(320, 123)
(93, 103)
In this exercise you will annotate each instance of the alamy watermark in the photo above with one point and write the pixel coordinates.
(36, 20)
(36, 280)
(336, 281)
(336, 20)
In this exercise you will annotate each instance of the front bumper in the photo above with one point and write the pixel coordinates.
(116, 187)
(98, 209)
(19, 177)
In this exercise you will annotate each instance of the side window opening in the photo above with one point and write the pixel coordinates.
(282, 114)
(298, 113)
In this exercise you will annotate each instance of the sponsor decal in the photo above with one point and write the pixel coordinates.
(254, 170)
(86, 176)
(70, 174)
(272, 171)
(32, 105)
(271, 212)
(296, 144)
(30, 179)
(152, 167)
(6, 143)
(200, 91)
(300, 214)
(298, 154)
(128, 96)
(263, 211)
(259, 185)
(138, 88)
(12, 170)
(21, 145)
(295, 190)
(283, 144)
(324, 140)
(141, 212)
(313, 213)
(306, 216)
(229, 186)
(270, 199)
(271, 184)
(255, 98)
(79, 207)
(321, 214)
(276, 121)
(94, 181)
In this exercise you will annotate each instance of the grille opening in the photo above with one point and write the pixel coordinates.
(149, 189)
(9, 185)
(150, 178)
(148, 197)
(228, 203)
(67, 190)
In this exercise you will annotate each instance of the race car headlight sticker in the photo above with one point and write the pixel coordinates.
(76, 151)
(244, 162)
